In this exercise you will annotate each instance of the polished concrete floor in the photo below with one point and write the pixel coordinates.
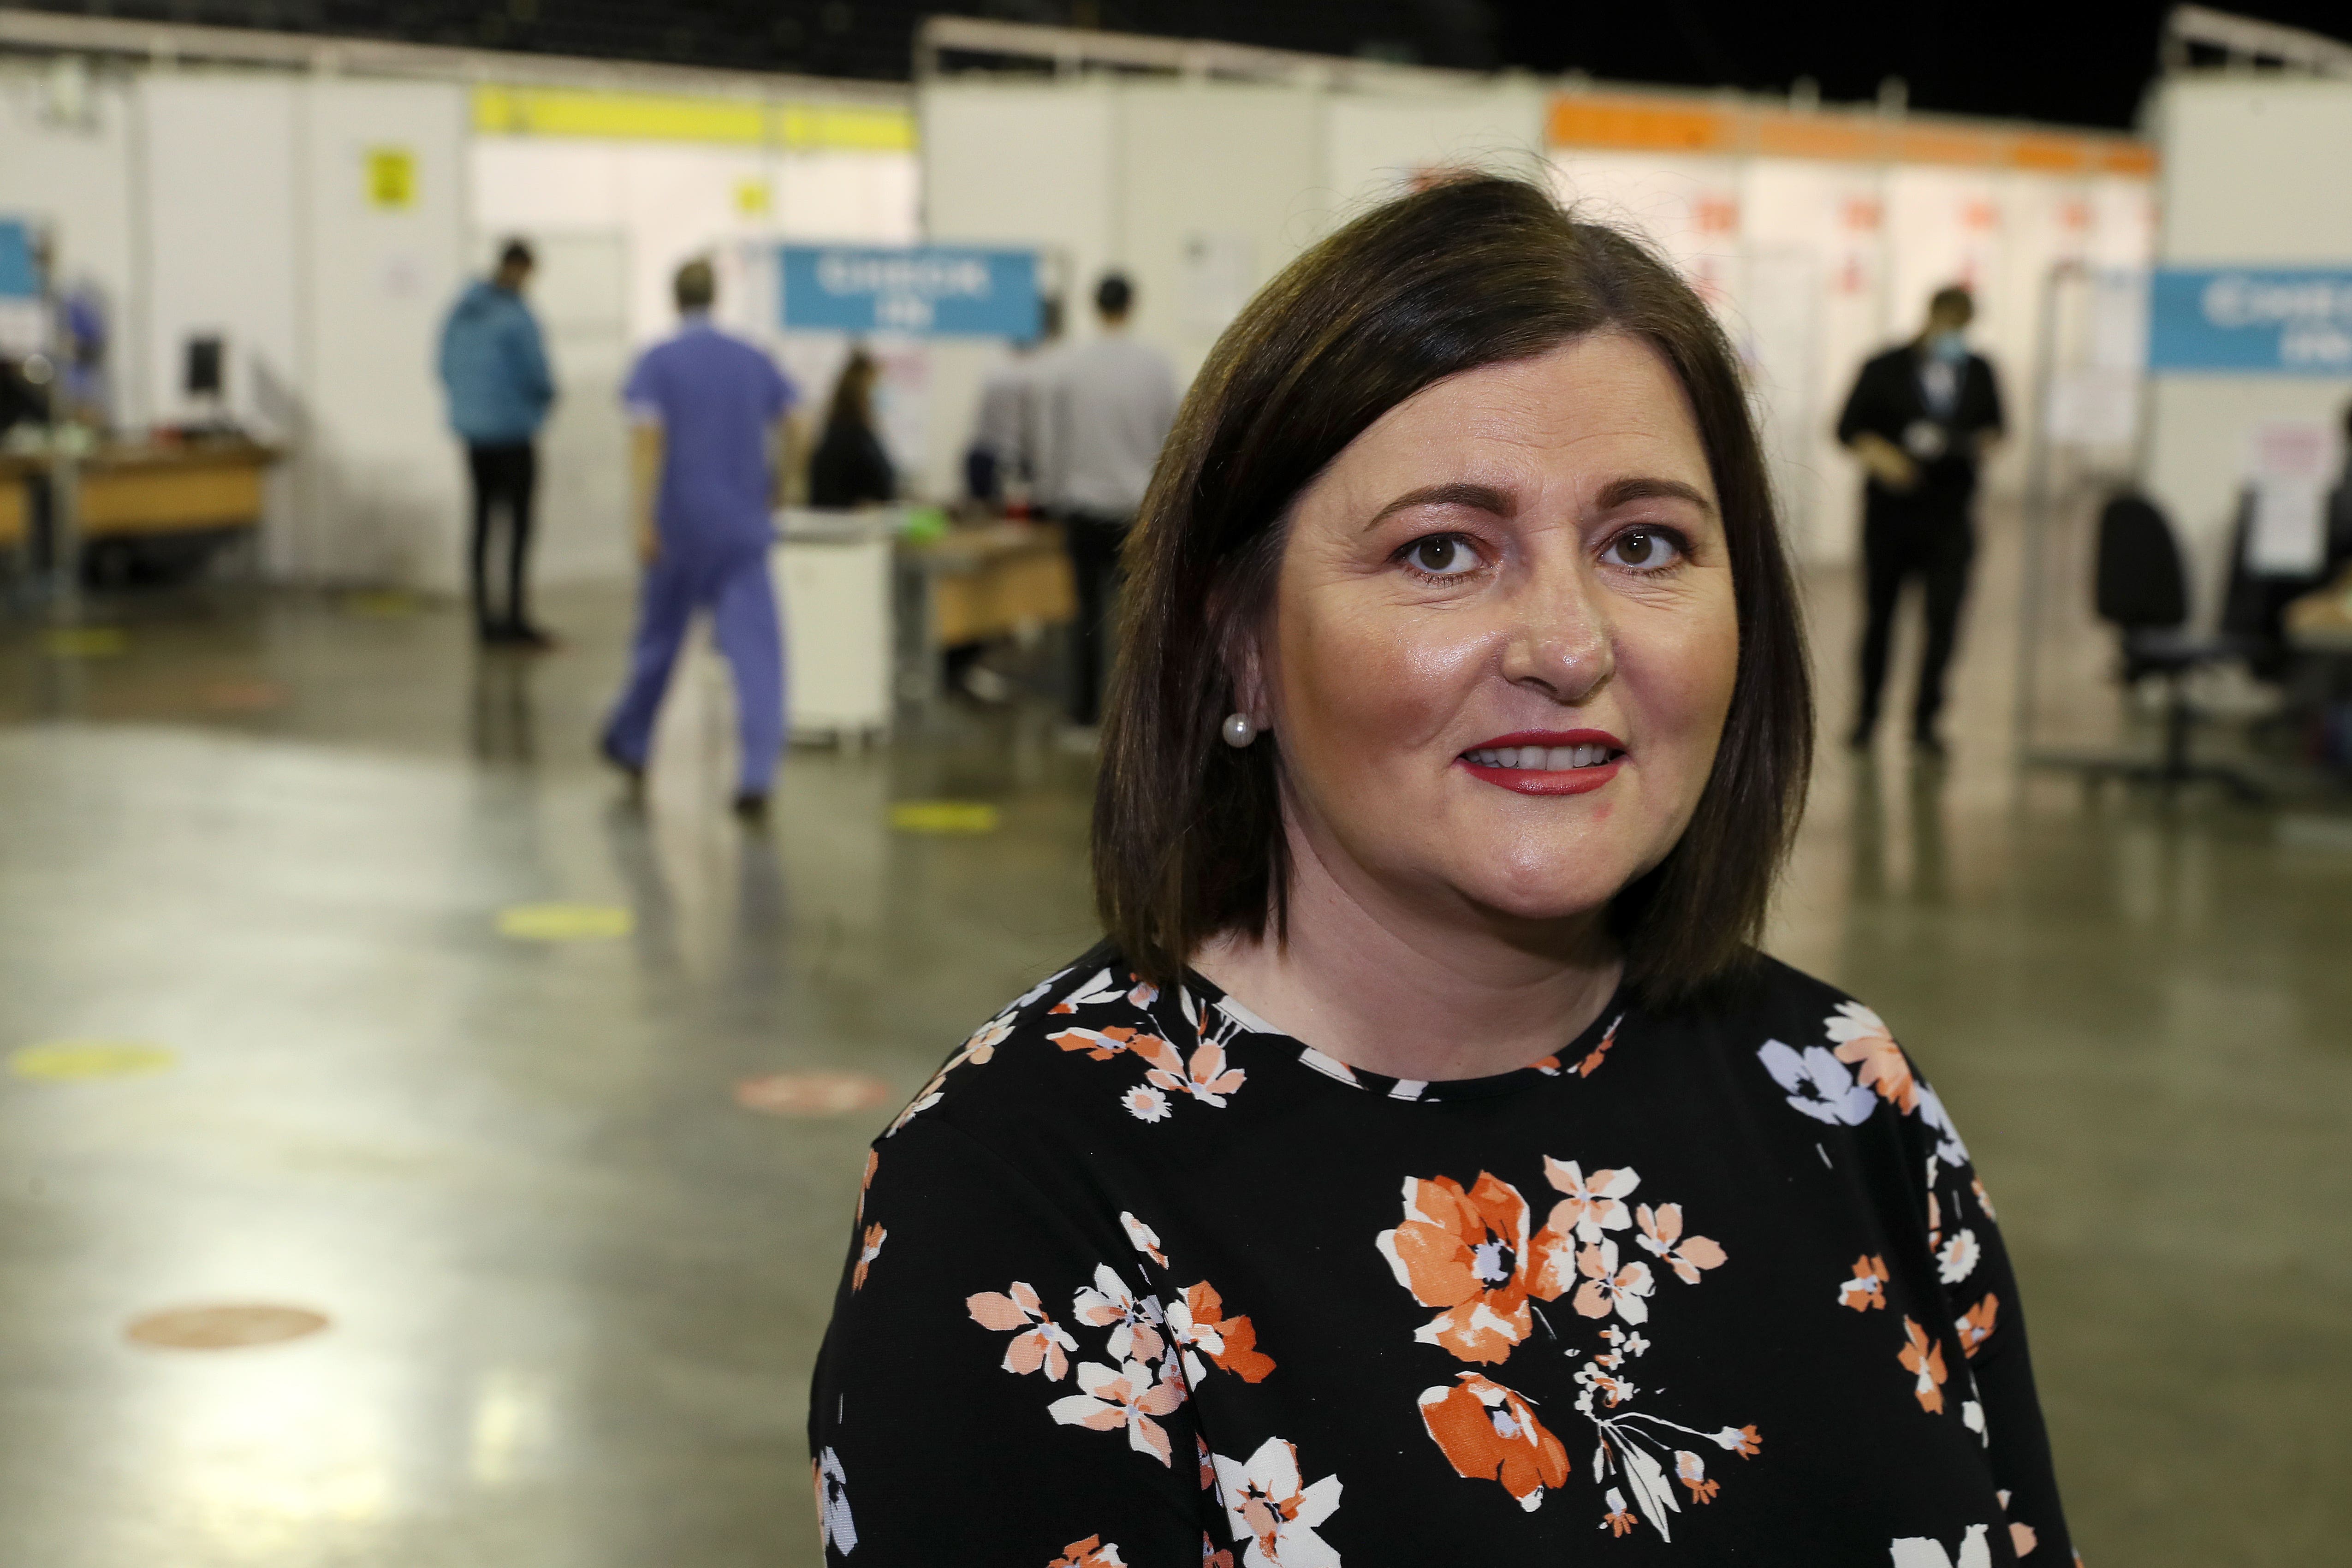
(573, 1286)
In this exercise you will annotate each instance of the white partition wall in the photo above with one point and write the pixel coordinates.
(2257, 172)
(381, 489)
(66, 160)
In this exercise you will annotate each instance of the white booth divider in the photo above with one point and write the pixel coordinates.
(1817, 253)
(2256, 172)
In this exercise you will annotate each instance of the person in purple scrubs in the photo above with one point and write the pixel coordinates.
(704, 407)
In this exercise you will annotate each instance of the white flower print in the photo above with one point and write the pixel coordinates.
(1145, 1103)
(1123, 1396)
(1817, 1083)
(835, 1529)
(1134, 1322)
(1958, 1260)
(1102, 988)
(1949, 1147)
(1146, 1239)
(1038, 1343)
(1592, 1205)
(1270, 1511)
(1919, 1552)
(1609, 1288)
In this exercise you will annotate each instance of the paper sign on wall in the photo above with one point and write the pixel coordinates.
(920, 290)
(2290, 463)
(2251, 322)
(391, 178)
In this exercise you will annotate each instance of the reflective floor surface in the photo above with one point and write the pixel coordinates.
(255, 857)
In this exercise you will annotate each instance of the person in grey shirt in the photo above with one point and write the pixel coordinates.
(1110, 404)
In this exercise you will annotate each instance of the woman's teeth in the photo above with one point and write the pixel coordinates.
(1551, 759)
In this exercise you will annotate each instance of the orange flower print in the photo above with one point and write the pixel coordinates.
(1618, 1521)
(2022, 1539)
(1867, 1288)
(1466, 1253)
(1956, 1259)
(1099, 1044)
(1123, 1396)
(1145, 1103)
(1592, 1058)
(1208, 1079)
(1197, 1321)
(1609, 1288)
(1268, 1507)
(868, 1253)
(1864, 1043)
(1984, 1201)
(1661, 1234)
(866, 1184)
(1088, 1554)
(1037, 1341)
(1134, 1323)
(1924, 1358)
(1488, 1432)
(1741, 1440)
(978, 1049)
(1212, 1556)
(1975, 1326)
(1146, 1239)
(1691, 1470)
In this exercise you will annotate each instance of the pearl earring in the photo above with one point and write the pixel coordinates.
(1239, 731)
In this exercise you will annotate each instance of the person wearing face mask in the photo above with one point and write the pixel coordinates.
(1920, 419)
(1426, 1167)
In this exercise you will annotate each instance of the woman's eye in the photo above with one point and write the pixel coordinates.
(1443, 555)
(1643, 548)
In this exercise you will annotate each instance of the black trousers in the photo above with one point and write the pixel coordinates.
(1094, 544)
(504, 477)
(1937, 544)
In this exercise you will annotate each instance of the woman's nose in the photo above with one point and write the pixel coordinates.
(1558, 639)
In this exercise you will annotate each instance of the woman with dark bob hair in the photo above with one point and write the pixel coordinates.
(1427, 1168)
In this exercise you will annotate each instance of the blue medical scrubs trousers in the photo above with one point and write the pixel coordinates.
(732, 583)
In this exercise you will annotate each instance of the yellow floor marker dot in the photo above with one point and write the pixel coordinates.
(85, 642)
(943, 816)
(386, 606)
(66, 1061)
(565, 922)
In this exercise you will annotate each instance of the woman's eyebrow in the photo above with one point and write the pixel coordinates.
(1479, 498)
(1617, 492)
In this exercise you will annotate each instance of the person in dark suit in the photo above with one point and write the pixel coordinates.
(1921, 417)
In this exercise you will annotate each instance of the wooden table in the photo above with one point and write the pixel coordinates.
(140, 490)
(1006, 578)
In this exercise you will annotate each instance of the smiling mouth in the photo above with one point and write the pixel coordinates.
(1542, 759)
(1546, 762)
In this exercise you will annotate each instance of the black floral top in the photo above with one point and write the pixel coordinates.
(1136, 1279)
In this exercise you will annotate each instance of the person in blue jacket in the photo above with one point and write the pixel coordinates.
(707, 412)
(494, 367)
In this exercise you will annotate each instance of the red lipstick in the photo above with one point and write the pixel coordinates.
(1503, 760)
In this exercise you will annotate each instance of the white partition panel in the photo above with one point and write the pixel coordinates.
(379, 477)
(2255, 170)
(1375, 147)
(66, 157)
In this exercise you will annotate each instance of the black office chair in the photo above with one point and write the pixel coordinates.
(2141, 590)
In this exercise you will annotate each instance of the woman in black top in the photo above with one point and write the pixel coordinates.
(849, 467)
(1428, 1169)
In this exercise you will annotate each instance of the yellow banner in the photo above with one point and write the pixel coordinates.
(660, 117)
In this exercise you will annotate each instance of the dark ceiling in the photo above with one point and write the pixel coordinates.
(2087, 63)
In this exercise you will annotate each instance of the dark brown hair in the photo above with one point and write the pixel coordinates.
(853, 394)
(1188, 835)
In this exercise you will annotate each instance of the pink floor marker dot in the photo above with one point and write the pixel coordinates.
(812, 1093)
(227, 1326)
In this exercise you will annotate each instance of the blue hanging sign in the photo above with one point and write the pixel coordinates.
(2245, 321)
(924, 290)
(20, 278)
